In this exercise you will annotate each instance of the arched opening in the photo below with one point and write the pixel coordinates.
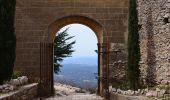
(46, 71)
(95, 26)
(80, 69)
(58, 24)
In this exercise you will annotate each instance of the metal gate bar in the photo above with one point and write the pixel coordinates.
(104, 54)
(46, 69)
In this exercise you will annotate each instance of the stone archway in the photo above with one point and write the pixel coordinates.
(36, 19)
(61, 22)
(96, 27)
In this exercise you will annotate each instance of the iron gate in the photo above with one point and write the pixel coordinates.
(103, 56)
(46, 69)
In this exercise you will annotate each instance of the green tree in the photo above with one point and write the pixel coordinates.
(133, 71)
(7, 39)
(62, 49)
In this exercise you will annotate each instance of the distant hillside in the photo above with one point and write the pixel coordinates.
(79, 74)
(81, 60)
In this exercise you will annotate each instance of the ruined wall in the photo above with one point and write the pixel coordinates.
(154, 24)
(118, 64)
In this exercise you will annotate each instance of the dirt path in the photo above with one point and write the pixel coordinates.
(77, 96)
(66, 92)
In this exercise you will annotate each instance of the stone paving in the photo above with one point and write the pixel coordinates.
(77, 96)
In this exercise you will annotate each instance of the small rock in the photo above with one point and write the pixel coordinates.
(129, 92)
(113, 90)
(162, 92)
(146, 90)
(164, 82)
(142, 91)
(5, 85)
(118, 91)
(157, 89)
(6, 88)
(139, 90)
(15, 82)
(20, 80)
(11, 88)
(1, 87)
(23, 79)
(149, 94)
(120, 61)
(154, 93)
(123, 92)
(133, 92)
(110, 88)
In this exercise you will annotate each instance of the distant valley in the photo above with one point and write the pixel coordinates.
(80, 70)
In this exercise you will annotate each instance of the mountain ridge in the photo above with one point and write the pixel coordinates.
(90, 60)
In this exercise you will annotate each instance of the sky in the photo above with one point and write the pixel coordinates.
(86, 40)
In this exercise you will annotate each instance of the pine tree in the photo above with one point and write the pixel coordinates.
(7, 39)
(133, 71)
(62, 49)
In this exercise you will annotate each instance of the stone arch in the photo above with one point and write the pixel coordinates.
(38, 22)
(76, 19)
(94, 25)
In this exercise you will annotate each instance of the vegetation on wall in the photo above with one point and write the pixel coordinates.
(7, 39)
(62, 49)
(133, 71)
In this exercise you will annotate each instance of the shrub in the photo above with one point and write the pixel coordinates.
(7, 39)
(133, 71)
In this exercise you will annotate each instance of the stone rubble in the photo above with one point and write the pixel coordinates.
(24, 92)
(157, 92)
(13, 84)
(62, 89)
(67, 92)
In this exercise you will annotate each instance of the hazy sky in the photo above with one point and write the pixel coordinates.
(86, 41)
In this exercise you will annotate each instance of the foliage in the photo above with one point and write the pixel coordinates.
(133, 71)
(7, 39)
(62, 49)
(15, 74)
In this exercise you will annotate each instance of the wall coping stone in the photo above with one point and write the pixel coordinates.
(116, 96)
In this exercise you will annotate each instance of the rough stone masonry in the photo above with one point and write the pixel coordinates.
(154, 25)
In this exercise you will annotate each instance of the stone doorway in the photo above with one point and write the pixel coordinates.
(53, 29)
(37, 22)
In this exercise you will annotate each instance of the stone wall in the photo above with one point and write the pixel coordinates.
(115, 96)
(34, 17)
(118, 64)
(154, 25)
(27, 92)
